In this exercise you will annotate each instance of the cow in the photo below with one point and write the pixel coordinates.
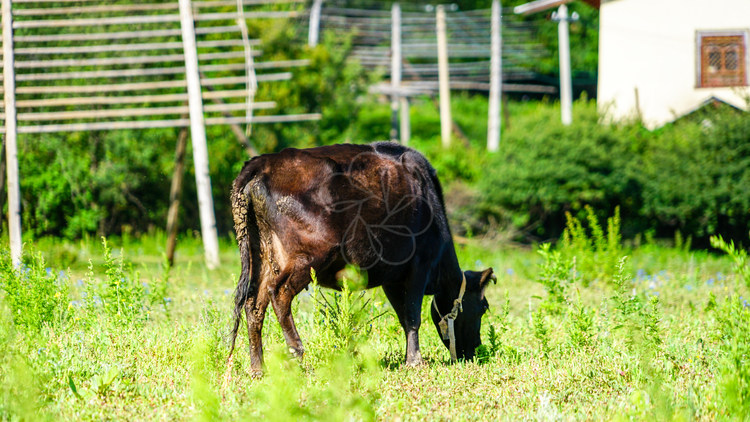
(376, 206)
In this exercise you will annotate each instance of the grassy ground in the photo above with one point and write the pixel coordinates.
(573, 333)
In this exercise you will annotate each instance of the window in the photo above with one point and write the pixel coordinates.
(722, 59)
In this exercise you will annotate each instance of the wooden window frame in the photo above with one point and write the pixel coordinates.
(702, 80)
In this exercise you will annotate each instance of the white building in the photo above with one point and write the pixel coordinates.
(661, 59)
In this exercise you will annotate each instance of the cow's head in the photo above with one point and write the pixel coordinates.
(468, 322)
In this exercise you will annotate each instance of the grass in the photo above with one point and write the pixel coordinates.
(664, 335)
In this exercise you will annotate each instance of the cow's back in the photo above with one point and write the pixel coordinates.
(377, 206)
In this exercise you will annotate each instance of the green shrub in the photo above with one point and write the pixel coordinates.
(733, 320)
(738, 255)
(36, 295)
(119, 295)
(597, 253)
(544, 171)
(695, 173)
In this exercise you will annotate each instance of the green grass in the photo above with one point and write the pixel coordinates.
(670, 342)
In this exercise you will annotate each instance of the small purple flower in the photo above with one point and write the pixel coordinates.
(49, 271)
(510, 271)
(226, 291)
(640, 273)
(689, 287)
(710, 282)
(720, 276)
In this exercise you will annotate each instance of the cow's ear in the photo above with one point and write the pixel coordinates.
(487, 276)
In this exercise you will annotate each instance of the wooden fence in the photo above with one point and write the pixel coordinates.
(418, 47)
(95, 65)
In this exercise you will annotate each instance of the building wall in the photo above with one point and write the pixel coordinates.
(650, 46)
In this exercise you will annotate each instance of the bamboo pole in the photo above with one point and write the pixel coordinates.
(198, 136)
(444, 79)
(175, 193)
(496, 80)
(11, 135)
(395, 67)
(313, 34)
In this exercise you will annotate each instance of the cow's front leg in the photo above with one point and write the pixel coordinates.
(413, 322)
(255, 313)
(408, 309)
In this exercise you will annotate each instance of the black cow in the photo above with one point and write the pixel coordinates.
(379, 207)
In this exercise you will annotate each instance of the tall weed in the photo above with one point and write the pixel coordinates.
(345, 317)
(120, 296)
(556, 275)
(37, 295)
(738, 255)
(733, 321)
(597, 251)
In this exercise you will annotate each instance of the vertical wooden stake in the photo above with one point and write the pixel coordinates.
(198, 136)
(566, 85)
(395, 67)
(496, 80)
(175, 192)
(444, 79)
(2, 176)
(314, 28)
(405, 120)
(11, 137)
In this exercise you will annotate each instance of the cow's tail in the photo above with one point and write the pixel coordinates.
(242, 214)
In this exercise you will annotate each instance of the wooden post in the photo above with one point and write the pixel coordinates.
(566, 91)
(2, 176)
(405, 120)
(444, 79)
(198, 136)
(395, 67)
(314, 29)
(11, 137)
(496, 80)
(175, 192)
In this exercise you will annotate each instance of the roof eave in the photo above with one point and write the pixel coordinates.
(542, 5)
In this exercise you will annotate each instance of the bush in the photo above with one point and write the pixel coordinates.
(695, 175)
(560, 169)
(687, 177)
(36, 295)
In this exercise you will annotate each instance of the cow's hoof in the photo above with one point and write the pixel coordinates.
(414, 363)
(256, 374)
(297, 353)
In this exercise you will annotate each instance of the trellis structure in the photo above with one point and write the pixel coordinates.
(98, 65)
(417, 48)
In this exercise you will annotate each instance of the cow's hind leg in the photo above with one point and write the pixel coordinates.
(289, 285)
(255, 313)
(408, 307)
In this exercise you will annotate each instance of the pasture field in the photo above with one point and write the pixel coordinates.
(575, 332)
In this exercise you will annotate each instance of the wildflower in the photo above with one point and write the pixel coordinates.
(710, 282)
(689, 288)
(510, 271)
